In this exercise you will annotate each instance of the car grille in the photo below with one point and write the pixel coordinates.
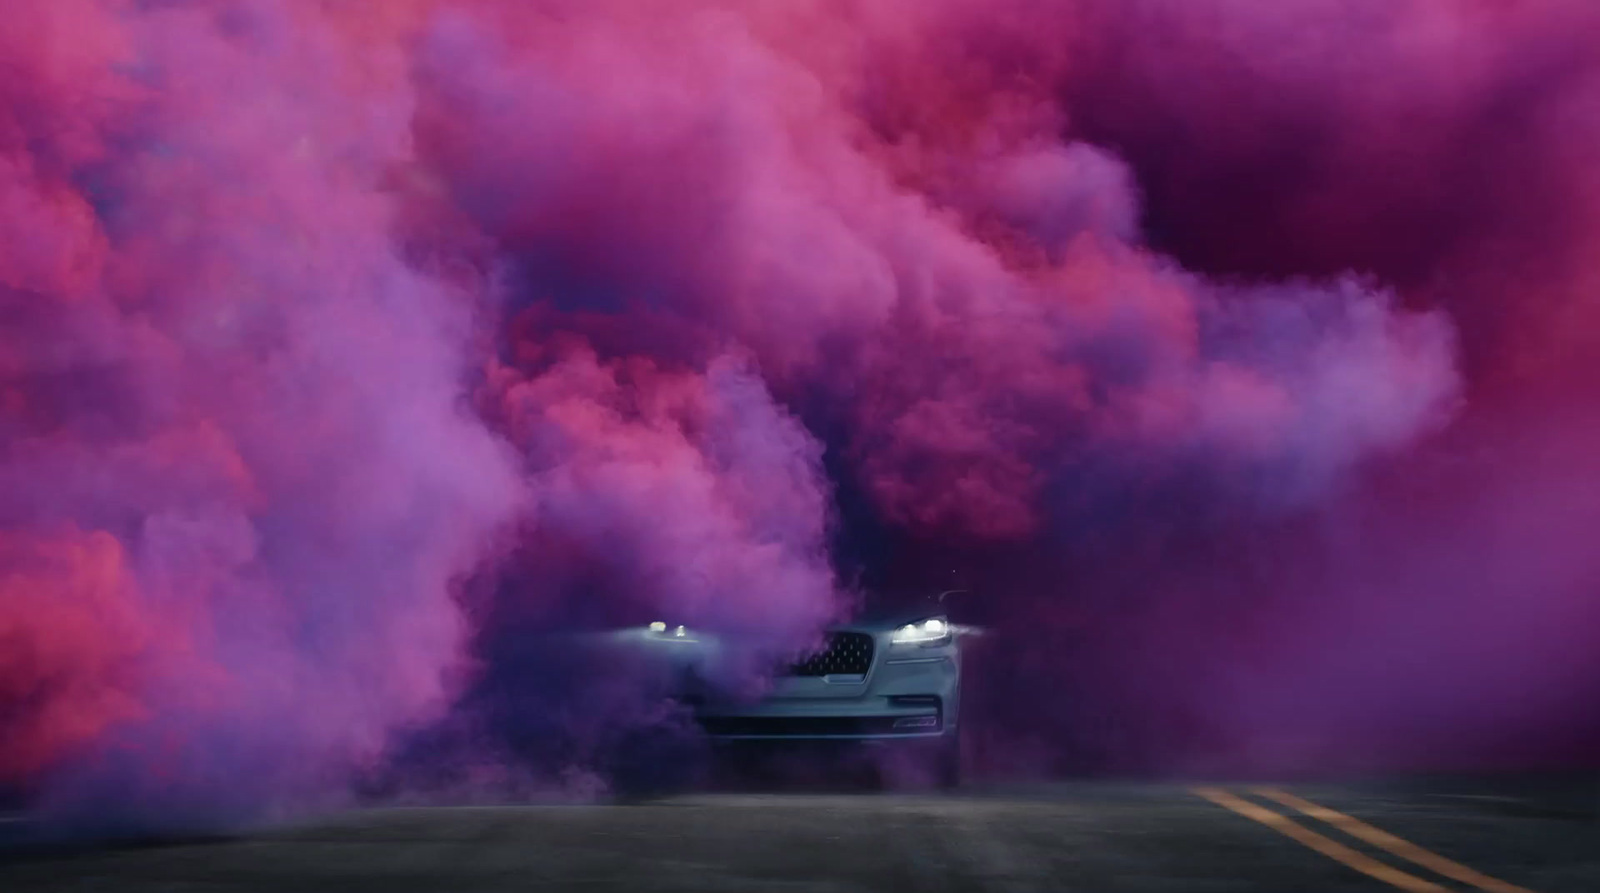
(847, 654)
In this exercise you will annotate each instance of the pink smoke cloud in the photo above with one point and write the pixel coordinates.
(72, 647)
(342, 341)
(755, 216)
(702, 497)
(226, 377)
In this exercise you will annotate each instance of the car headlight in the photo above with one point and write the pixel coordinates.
(932, 631)
(661, 629)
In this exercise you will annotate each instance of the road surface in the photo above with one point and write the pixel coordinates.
(1420, 836)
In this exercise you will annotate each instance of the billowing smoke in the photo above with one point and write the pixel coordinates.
(240, 472)
(1236, 353)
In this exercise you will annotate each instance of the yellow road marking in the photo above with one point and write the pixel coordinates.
(1386, 841)
(1326, 846)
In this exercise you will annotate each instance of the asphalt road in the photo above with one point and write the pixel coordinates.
(1418, 835)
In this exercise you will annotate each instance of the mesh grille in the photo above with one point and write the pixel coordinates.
(847, 654)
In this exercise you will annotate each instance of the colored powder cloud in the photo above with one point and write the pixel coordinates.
(345, 345)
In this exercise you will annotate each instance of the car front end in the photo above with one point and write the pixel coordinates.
(875, 681)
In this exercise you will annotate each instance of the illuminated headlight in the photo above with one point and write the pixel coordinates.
(924, 632)
(660, 628)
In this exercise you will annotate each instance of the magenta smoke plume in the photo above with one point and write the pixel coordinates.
(341, 339)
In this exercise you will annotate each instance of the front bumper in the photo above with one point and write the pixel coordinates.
(907, 693)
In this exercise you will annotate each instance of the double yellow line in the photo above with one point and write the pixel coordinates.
(1360, 830)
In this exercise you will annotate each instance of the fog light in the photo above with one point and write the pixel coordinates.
(917, 722)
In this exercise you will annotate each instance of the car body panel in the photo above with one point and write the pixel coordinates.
(906, 686)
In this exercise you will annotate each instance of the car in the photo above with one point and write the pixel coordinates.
(891, 676)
